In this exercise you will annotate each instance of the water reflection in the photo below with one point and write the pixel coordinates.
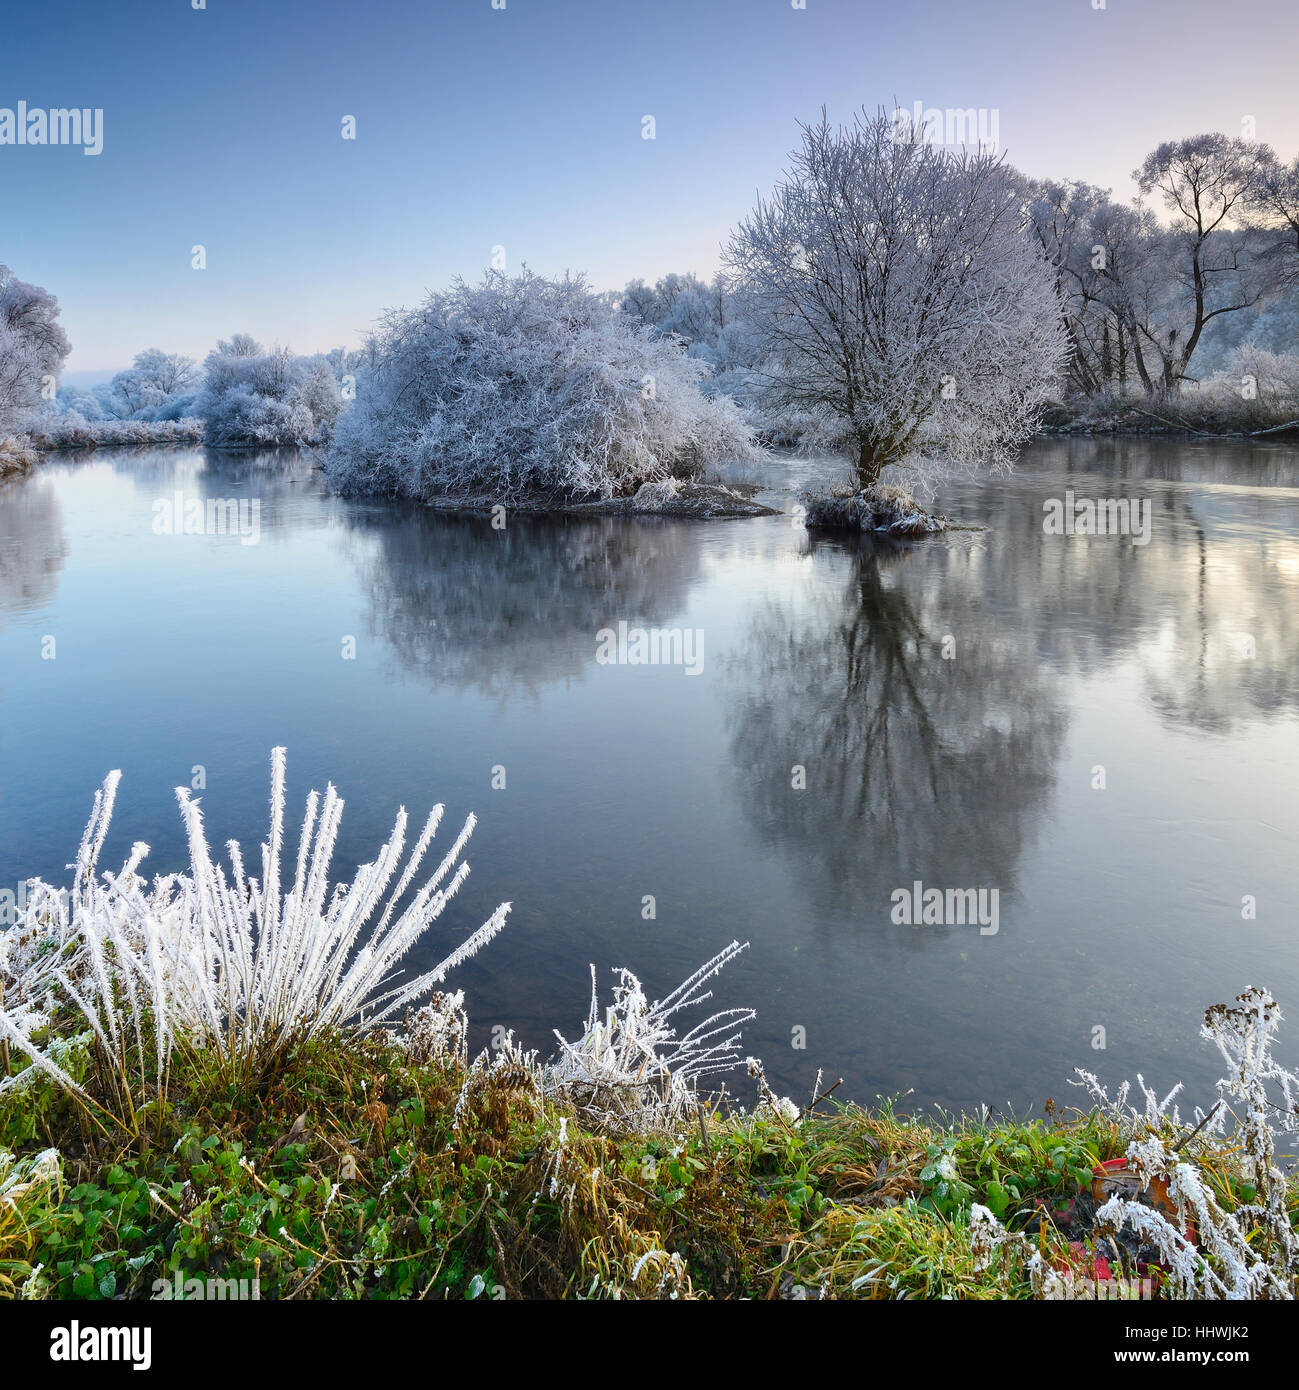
(929, 737)
(964, 763)
(33, 546)
(1207, 611)
(510, 611)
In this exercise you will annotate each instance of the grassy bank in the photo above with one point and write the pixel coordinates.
(1212, 413)
(356, 1174)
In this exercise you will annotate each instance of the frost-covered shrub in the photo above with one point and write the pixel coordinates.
(74, 431)
(630, 1070)
(523, 384)
(253, 397)
(1257, 389)
(214, 958)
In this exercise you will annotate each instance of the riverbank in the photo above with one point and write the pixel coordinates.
(356, 1173)
(1209, 416)
(70, 433)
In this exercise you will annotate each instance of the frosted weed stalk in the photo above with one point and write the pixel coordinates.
(1209, 1252)
(630, 1070)
(218, 960)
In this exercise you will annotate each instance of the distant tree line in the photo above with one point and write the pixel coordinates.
(896, 300)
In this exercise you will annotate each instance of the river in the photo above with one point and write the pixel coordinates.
(1100, 728)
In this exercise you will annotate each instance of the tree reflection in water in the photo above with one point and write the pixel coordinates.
(919, 764)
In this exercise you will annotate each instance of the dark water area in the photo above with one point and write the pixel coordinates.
(948, 701)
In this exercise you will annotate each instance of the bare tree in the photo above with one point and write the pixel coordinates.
(1206, 182)
(901, 300)
(1274, 200)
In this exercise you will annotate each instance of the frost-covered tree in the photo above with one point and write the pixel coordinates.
(254, 397)
(158, 386)
(240, 345)
(679, 304)
(526, 384)
(712, 321)
(1111, 279)
(1060, 214)
(1213, 265)
(33, 346)
(1274, 201)
(902, 302)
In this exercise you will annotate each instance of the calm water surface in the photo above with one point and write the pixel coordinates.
(1119, 908)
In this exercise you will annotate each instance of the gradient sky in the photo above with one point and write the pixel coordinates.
(522, 128)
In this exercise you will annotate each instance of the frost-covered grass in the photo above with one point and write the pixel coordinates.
(16, 455)
(369, 1169)
(216, 960)
(631, 1063)
(30, 1189)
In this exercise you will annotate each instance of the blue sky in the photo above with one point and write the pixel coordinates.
(522, 128)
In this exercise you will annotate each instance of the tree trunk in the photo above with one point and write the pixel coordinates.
(868, 465)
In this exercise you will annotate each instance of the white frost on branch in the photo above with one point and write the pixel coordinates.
(901, 300)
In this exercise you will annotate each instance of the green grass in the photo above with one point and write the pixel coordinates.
(346, 1176)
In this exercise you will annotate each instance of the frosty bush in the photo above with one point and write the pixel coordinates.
(523, 384)
(1249, 1250)
(216, 959)
(254, 397)
(630, 1070)
(74, 431)
(1256, 390)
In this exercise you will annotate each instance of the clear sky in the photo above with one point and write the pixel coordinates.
(522, 127)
